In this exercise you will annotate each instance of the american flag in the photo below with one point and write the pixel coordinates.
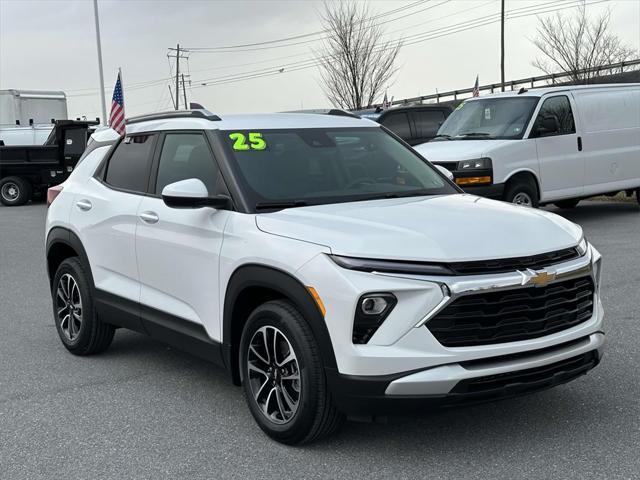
(116, 119)
(476, 88)
(385, 102)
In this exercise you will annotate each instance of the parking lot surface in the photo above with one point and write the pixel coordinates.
(143, 410)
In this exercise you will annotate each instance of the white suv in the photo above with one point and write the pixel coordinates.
(323, 262)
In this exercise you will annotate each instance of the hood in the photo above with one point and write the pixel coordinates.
(456, 150)
(446, 228)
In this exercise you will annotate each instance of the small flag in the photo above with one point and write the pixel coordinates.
(476, 88)
(116, 118)
(385, 102)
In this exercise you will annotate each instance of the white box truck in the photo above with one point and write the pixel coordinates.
(26, 116)
(544, 145)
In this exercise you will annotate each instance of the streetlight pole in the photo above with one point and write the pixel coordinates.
(502, 48)
(104, 105)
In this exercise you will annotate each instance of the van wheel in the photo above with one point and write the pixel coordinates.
(567, 204)
(14, 191)
(78, 325)
(283, 376)
(522, 191)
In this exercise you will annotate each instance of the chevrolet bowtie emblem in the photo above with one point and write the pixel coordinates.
(541, 278)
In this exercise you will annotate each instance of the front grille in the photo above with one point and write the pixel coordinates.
(528, 380)
(512, 264)
(451, 166)
(513, 315)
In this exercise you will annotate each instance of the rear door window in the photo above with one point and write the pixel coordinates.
(128, 167)
(398, 123)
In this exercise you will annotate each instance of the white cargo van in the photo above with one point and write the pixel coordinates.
(544, 145)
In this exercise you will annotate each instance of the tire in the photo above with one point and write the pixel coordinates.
(638, 195)
(522, 191)
(567, 204)
(288, 410)
(14, 191)
(80, 329)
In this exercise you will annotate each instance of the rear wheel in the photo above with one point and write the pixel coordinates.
(567, 204)
(522, 191)
(79, 328)
(283, 376)
(14, 191)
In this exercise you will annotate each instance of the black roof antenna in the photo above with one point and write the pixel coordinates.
(522, 90)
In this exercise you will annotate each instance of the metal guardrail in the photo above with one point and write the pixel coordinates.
(513, 84)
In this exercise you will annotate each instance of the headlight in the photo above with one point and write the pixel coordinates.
(583, 246)
(479, 163)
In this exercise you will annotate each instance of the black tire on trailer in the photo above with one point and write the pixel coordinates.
(15, 191)
(567, 204)
(283, 376)
(77, 322)
(522, 190)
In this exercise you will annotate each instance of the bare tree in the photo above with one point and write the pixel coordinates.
(356, 64)
(573, 44)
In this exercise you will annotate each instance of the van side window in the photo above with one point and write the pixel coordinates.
(558, 108)
(186, 155)
(128, 167)
(398, 123)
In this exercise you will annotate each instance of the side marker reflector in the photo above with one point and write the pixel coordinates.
(318, 300)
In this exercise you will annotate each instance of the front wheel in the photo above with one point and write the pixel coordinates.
(14, 191)
(283, 376)
(522, 192)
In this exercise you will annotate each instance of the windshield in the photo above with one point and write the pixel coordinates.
(488, 119)
(296, 167)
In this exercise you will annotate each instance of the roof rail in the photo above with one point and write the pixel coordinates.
(205, 114)
(326, 111)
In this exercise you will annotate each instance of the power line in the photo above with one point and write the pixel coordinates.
(417, 38)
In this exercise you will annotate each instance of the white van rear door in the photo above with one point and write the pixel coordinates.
(559, 149)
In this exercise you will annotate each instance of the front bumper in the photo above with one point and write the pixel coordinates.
(495, 190)
(403, 364)
(467, 382)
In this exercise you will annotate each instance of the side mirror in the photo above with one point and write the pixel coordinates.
(191, 193)
(445, 172)
(549, 125)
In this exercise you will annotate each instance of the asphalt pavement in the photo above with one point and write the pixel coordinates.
(143, 410)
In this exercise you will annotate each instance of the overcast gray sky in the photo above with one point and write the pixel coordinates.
(50, 45)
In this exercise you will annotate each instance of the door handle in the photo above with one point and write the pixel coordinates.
(579, 144)
(149, 217)
(84, 205)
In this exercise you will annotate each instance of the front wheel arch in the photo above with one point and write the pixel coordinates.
(523, 177)
(254, 284)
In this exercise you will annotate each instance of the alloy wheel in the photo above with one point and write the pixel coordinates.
(273, 373)
(69, 306)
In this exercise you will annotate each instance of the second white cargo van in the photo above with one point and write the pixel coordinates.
(545, 145)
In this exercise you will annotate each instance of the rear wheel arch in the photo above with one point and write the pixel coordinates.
(61, 244)
(254, 284)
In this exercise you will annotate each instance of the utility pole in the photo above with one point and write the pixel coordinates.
(178, 73)
(99, 45)
(180, 53)
(173, 102)
(184, 91)
(502, 48)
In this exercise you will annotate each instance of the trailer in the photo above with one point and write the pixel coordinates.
(27, 170)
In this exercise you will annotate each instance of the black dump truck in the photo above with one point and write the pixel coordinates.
(27, 170)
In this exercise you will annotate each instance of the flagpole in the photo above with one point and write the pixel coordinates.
(99, 45)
